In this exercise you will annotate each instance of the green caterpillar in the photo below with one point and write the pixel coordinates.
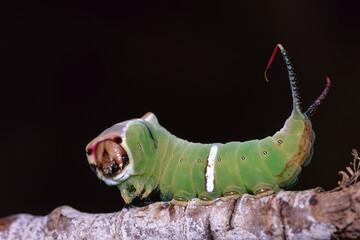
(139, 156)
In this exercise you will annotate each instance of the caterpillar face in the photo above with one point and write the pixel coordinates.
(108, 157)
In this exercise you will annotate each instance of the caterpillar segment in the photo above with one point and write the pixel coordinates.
(140, 156)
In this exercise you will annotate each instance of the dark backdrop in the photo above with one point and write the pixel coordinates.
(70, 70)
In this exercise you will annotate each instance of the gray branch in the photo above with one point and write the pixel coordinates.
(310, 214)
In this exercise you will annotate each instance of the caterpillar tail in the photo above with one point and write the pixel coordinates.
(293, 83)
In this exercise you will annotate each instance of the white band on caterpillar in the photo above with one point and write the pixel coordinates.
(210, 169)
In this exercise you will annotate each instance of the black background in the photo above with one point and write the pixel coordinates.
(70, 70)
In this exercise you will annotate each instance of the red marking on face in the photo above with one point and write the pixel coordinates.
(108, 155)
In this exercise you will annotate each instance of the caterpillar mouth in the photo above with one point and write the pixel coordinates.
(110, 158)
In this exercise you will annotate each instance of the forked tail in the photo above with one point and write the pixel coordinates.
(292, 78)
(310, 111)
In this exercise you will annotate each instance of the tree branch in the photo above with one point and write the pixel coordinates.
(285, 215)
(311, 214)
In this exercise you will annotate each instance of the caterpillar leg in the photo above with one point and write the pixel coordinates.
(264, 189)
(130, 190)
(205, 198)
(208, 196)
(149, 187)
(234, 190)
(183, 195)
(230, 195)
(125, 195)
(179, 202)
(138, 187)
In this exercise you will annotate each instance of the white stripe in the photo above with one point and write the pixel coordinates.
(210, 167)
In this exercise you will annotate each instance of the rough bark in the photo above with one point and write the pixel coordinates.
(310, 214)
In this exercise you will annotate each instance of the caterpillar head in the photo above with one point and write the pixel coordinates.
(108, 156)
(112, 155)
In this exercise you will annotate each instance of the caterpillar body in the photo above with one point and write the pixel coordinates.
(140, 156)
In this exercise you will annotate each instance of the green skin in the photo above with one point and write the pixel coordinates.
(139, 156)
(177, 167)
